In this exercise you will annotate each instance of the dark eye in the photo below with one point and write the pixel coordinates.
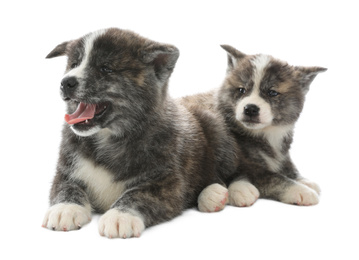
(106, 69)
(272, 93)
(242, 90)
(74, 65)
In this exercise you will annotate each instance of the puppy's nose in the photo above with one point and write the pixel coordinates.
(251, 110)
(69, 83)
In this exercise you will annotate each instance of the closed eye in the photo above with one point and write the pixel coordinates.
(272, 93)
(106, 69)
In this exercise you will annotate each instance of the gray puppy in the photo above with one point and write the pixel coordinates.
(128, 150)
(260, 100)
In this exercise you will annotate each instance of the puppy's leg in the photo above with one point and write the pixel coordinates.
(282, 188)
(213, 198)
(242, 193)
(70, 208)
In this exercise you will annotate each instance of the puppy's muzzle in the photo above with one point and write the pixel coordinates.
(251, 110)
(68, 87)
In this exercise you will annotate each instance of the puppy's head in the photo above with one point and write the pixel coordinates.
(262, 91)
(114, 78)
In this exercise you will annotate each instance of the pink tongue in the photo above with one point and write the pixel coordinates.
(82, 113)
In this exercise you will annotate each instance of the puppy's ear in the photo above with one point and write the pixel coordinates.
(233, 56)
(306, 75)
(163, 58)
(59, 50)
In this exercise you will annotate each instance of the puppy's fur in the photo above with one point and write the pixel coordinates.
(129, 150)
(260, 100)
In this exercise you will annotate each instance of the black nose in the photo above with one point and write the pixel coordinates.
(69, 83)
(68, 86)
(251, 110)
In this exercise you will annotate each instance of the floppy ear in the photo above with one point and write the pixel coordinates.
(163, 58)
(233, 55)
(59, 50)
(307, 74)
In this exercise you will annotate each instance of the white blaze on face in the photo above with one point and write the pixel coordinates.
(265, 113)
(79, 71)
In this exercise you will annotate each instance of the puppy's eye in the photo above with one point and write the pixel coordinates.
(272, 93)
(242, 90)
(74, 65)
(106, 69)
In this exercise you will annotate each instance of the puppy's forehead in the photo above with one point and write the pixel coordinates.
(266, 68)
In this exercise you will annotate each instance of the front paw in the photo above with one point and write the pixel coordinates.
(213, 198)
(117, 224)
(66, 217)
(310, 184)
(301, 195)
(242, 194)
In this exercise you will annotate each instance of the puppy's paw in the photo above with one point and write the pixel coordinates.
(213, 198)
(242, 194)
(117, 224)
(301, 195)
(66, 217)
(310, 184)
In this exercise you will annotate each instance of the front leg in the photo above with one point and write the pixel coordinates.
(70, 208)
(141, 207)
(284, 189)
(286, 186)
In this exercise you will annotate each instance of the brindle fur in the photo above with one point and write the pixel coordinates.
(163, 152)
(254, 148)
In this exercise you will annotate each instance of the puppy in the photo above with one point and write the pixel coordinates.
(261, 100)
(128, 150)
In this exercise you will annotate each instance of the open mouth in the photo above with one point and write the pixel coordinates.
(86, 114)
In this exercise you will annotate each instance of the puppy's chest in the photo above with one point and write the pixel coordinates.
(270, 153)
(101, 187)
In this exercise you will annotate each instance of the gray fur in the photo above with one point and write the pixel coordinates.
(162, 151)
(261, 161)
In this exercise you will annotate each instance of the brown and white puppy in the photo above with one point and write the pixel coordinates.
(261, 100)
(128, 150)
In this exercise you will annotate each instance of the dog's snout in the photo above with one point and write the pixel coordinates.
(69, 83)
(251, 110)
(68, 87)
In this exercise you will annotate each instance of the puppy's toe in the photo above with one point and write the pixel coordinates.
(242, 194)
(301, 195)
(311, 185)
(66, 217)
(117, 224)
(213, 198)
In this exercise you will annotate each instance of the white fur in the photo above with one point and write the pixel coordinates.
(260, 62)
(301, 195)
(213, 198)
(103, 191)
(242, 193)
(66, 217)
(311, 185)
(89, 132)
(117, 224)
(78, 72)
(265, 112)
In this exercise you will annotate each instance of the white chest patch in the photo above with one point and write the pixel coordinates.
(101, 188)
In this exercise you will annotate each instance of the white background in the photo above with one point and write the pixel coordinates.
(311, 33)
